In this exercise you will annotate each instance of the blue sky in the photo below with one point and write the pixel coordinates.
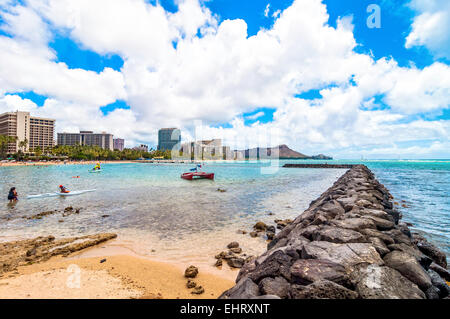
(131, 84)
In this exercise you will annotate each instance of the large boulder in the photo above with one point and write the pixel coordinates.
(388, 240)
(244, 289)
(322, 289)
(381, 282)
(307, 271)
(423, 260)
(382, 224)
(276, 264)
(338, 235)
(354, 223)
(409, 267)
(277, 286)
(348, 255)
(379, 245)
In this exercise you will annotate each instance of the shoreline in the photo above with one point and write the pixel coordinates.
(53, 163)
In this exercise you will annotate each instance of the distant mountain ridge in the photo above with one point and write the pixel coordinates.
(284, 152)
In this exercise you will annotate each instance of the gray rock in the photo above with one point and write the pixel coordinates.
(322, 289)
(382, 224)
(444, 273)
(348, 255)
(375, 282)
(432, 293)
(423, 260)
(333, 207)
(307, 271)
(398, 236)
(354, 223)
(409, 267)
(439, 283)
(379, 245)
(388, 240)
(244, 289)
(275, 286)
(338, 235)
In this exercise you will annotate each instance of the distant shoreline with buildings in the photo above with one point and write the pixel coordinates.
(26, 137)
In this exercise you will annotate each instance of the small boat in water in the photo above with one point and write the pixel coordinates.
(197, 175)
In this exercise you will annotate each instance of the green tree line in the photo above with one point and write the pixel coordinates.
(77, 152)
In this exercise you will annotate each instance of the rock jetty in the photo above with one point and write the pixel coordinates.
(319, 165)
(349, 244)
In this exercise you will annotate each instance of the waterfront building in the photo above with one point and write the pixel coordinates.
(36, 131)
(206, 149)
(169, 139)
(103, 140)
(141, 147)
(119, 144)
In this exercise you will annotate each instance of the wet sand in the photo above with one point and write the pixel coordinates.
(96, 271)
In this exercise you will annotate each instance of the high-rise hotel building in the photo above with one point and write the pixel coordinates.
(37, 131)
(104, 140)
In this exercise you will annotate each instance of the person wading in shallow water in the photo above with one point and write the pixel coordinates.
(12, 196)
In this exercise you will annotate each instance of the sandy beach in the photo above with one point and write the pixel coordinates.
(71, 275)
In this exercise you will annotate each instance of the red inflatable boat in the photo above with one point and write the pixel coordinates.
(197, 175)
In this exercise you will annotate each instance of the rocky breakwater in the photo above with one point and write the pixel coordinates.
(349, 244)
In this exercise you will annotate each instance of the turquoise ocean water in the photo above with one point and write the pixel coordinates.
(154, 211)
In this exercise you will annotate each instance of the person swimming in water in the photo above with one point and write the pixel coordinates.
(12, 196)
(97, 167)
(63, 189)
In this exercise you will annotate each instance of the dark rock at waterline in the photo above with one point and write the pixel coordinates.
(432, 293)
(236, 262)
(260, 226)
(191, 272)
(433, 252)
(444, 273)
(439, 283)
(409, 267)
(271, 229)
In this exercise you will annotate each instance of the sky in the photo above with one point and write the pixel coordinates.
(346, 78)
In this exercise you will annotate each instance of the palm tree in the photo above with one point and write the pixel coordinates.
(23, 145)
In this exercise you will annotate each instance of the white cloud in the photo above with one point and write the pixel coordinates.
(431, 26)
(266, 11)
(186, 66)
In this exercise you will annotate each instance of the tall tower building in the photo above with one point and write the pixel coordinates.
(169, 138)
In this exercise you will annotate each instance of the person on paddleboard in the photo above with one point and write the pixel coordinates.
(97, 167)
(12, 196)
(63, 189)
